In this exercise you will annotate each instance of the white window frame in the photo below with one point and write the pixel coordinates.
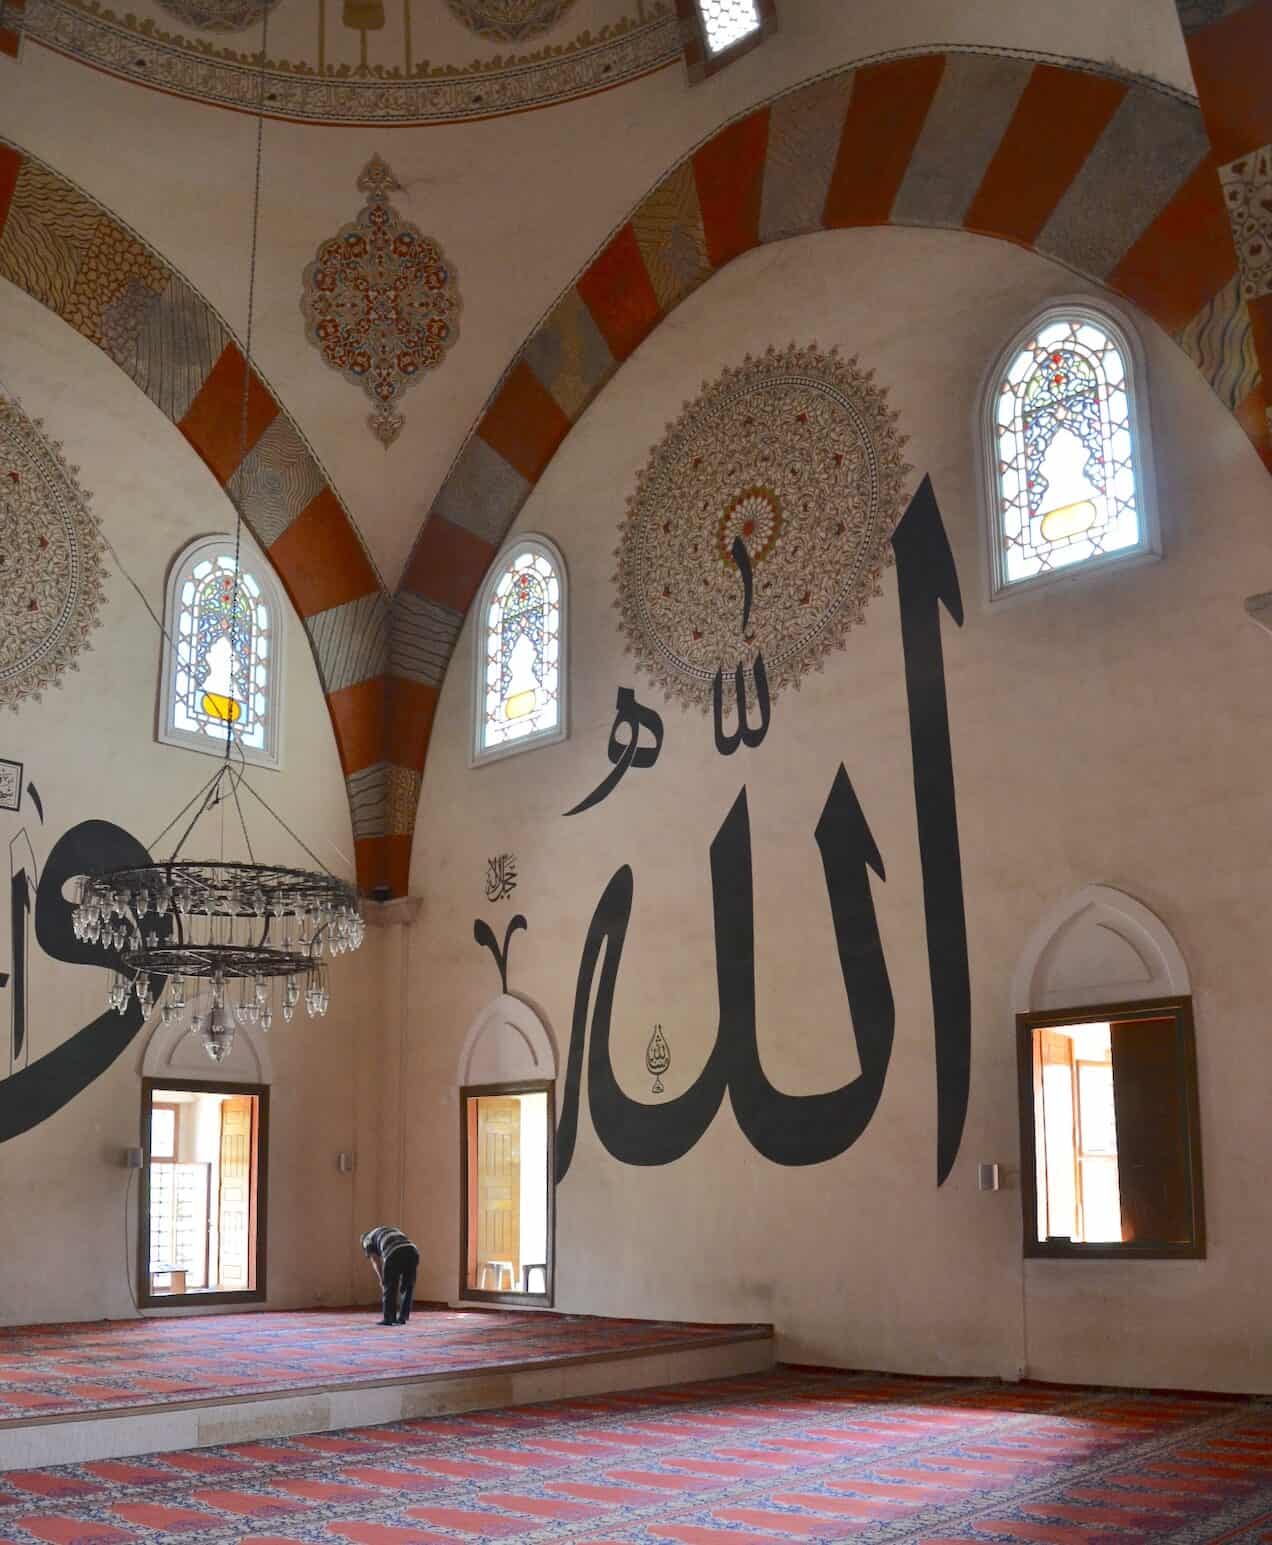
(258, 565)
(1117, 325)
(545, 547)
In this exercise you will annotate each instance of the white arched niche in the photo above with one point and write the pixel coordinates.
(507, 1043)
(1099, 946)
(175, 1051)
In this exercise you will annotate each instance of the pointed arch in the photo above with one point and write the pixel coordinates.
(75, 257)
(1110, 175)
(1098, 945)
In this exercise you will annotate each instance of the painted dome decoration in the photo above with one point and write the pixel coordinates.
(218, 15)
(797, 455)
(380, 301)
(50, 561)
(509, 21)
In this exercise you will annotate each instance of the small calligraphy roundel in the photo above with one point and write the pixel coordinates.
(796, 457)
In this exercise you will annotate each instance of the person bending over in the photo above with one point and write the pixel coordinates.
(396, 1261)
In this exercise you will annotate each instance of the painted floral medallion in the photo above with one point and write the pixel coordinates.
(380, 302)
(218, 15)
(797, 456)
(50, 561)
(509, 21)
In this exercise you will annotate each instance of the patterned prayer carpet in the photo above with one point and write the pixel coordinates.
(763, 1460)
(51, 1370)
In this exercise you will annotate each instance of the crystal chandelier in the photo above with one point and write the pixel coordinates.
(229, 943)
(221, 942)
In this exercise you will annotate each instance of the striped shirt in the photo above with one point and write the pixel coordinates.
(384, 1242)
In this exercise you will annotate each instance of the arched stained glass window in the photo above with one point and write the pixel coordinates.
(1066, 453)
(221, 658)
(520, 683)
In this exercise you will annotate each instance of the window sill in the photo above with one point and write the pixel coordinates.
(197, 1300)
(206, 746)
(1114, 1252)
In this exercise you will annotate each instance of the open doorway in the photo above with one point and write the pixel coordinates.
(202, 1224)
(507, 1134)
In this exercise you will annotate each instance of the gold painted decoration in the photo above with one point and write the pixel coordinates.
(392, 84)
(380, 301)
(51, 567)
(797, 455)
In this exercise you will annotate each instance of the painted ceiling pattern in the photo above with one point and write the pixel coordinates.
(382, 81)
(380, 301)
(66, 251)
(797, 455)
(1247, 186)
(50, 561)
(1045, 155)
(218, 15)
(509, 21)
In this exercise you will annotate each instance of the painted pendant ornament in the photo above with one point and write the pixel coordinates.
(380, 301)
(795, 453)
(219, 15)
(51, 567)
(509, 21)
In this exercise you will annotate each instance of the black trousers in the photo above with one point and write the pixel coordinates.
(399, 1284)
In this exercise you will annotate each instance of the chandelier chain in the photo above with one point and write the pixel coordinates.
(261, 800)
(237, 496)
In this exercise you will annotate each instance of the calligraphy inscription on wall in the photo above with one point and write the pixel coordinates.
(795, 1129)
(36, 1090)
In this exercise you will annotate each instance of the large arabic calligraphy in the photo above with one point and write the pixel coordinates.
(40, 1088)
(798, 1129)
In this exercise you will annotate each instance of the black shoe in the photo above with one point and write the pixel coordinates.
(386, 1322)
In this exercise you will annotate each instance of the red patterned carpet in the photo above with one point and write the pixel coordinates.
(50, 1370)
(755, 1461)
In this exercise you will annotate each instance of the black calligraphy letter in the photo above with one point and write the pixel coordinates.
(806, 1128)
(43, 1087)
(635, 1133)
(483, 934)
(927, 580)
(726, 745)
(628, 753)
(743, 560)
(20, 903)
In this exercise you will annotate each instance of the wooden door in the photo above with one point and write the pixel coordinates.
(237, 1188)
(1152, 1132)
(498, 1186)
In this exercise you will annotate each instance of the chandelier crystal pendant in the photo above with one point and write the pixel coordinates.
(222, 942)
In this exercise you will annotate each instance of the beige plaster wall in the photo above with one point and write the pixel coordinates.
(90, 750)
(1114, 729)
(519, 204)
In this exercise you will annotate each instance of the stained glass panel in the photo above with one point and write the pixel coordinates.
(221, 659)
(726, 22)
(1063, 448)
(521, 665)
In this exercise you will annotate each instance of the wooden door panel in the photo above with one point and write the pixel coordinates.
(235, 1222)
(498, 1182)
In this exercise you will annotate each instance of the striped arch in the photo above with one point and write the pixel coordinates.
(1111, 176)
(76, 258)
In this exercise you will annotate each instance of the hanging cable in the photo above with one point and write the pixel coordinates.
(236, 482)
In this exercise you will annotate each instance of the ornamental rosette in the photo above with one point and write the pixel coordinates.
(380, 302)
(51, 568)
(797, 455)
